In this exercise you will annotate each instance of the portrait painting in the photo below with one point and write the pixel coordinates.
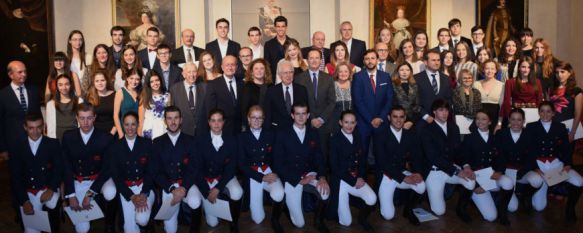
(28, 36)
(262, 13)
(501, 19)
(402, 17)
(136, 16)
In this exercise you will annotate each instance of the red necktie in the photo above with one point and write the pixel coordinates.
(372, 83)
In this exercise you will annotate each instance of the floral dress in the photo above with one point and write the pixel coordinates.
(154, 125)
(564, 103)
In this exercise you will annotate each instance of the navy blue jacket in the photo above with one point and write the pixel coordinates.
(293, 159)
(218, 96)
(232, 49)
(43, 170)
(394, 157)
(480, 154)
(174, 163)
(143, 54)
(86, 160)
(426, 94)
(276, 114)
(273, 52)
(221, 164)
(515, 155)
(553, 144)
(131, 165)
(347, 160)
(441, 150)
(368, 104)
(12, 116)
(254, 152)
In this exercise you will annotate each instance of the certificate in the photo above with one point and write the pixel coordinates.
(219, 209)
(424, 215)
(578, 133)
(85, 215)
(167, 210)
(38, 221)
(463, 123)
(484, 178)
(555, 176)
(531, 115)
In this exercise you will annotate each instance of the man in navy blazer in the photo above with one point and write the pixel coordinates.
(282, 96)
(372, 95)
(356, 47)
(167, 71)
(14, 105)
(432, 85)
(187, 52)
(148, 54)
(223, 46)
(273, 49)
(224, 93)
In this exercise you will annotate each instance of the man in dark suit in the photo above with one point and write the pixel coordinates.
(148, 54)
(16, 100)
(273, 49)
(321, 97)
(455, 28)
(432, 84)
(355, 46)
(318, 42)
(443, 38)
(478, 34)
(223, 46)
(282, 96)
(400, 164)
(372, 95)
(36, 171)
(170, 72)
(86, 171)
(300, 164)
(245, 58)
(175, 167)
(188, 96)
(187, 52)
(223, 93)
(384, 64)
(117, 33)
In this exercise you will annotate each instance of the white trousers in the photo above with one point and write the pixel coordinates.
(484, 201)
(274, 189)
(532, 178)
(365, 193)
(193, 199)
(293, 200)
(132, 218)
(37, 205)
(435, 183)
(108, 190)
(539, 199)
(387, 193)
(234, 191)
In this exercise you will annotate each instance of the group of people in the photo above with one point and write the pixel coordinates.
(136, 128)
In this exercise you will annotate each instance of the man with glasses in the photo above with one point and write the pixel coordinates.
(245, 57)
(383, 64)
(170, 72)
(282, 96)
(477, 40)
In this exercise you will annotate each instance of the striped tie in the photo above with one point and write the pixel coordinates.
(22, 99)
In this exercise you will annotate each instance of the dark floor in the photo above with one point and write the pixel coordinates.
(550, 220)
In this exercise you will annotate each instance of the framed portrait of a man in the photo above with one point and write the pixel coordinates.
(402, 17)
(501, 20)
(136, 16)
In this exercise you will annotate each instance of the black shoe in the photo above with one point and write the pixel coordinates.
(235, 211)
(408, 210)
(275, 215)
(319, 221)
(525, 199)
(461, 209)
(572, 198)
(195, 220)
(505, 196)
(363, 215)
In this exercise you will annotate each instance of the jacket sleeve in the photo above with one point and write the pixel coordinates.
(230, 165)
(243, 166)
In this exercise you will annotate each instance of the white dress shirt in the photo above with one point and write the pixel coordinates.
(187, 89)
(174, 138)
(34, 144)
(151, 58)
(217, 140)
(348, 136)
(186, 52)
(233, 84)
(86, 137)
(374, 76)
(484, 135)
(546, 125)
(301, 133)
(442, 126)
(257, 51)
(348, 45)
(223, 47)
(131, 143)
(397, 133)
(515, 135)
(17, 92)
(256, 132)
(291, 91)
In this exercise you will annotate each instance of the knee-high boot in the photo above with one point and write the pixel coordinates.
(365, 211)
(505, 196)
(235, 207)
(572, 198)
(408, 209)
(195, 215)
(525, 199)
(275, 215)
(462, 205)
(111, 209)
(319, 217)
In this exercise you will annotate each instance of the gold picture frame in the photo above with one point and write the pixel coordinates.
(421, 15)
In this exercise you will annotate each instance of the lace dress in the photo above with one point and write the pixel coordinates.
(154, 125)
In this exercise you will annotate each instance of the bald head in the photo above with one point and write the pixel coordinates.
(318, 40)
(188, 37)
(229, 65)
(17, 72)
(285, 69)
(189, 72)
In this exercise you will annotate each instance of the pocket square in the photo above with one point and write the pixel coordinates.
(382, 84)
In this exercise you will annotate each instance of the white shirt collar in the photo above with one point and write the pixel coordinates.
(515, 135)
(348, 136)
(131, 143)
(301, 133)
(442, 126)
(256, 132)
(34, 144)
(484, 135)
(86, 137)
(546, 125)
(398, 133)
(174, 138)
(217, 140)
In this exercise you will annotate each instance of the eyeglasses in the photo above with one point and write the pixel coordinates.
(382, 50)
(256, 118)
(246, 55)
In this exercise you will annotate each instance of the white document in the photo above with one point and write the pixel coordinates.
(167, 210)
(484, 178)
(463, 123)
(512, 173)
(220, 209)
(38, 221)
(531, 115)
(555, 176)
(85, 215)
(578, 133)
(424, 215)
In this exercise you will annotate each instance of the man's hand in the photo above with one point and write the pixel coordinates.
(27, 208)
(323, 187)
(74, 204)
(429, 119)
(177, 195)
(496, 175)
(47, 195)
(316, 123)
(376, 122)
(359, 183)
(270, 178)
(213, 194)
(408, 125)
(307, 180)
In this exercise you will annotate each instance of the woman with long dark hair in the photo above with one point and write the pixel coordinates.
(61, 108)
(61, 65)
(153, 99)
(76, 52)
(523, 91)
